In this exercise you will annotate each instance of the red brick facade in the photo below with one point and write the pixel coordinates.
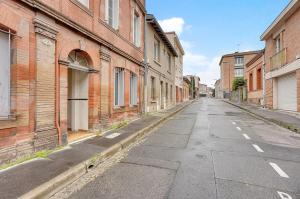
(285, 31)
(45, 32)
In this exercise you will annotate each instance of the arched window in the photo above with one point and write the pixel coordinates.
(78, 58)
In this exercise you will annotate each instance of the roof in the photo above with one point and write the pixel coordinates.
(256, 58)
(280, 19)
(236, 54)
(177, 41)
(154, 23)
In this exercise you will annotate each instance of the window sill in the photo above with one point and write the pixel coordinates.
(9, 118)
(83, 7)
(157, 62)
(153, 102)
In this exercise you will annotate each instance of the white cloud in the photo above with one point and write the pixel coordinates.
(194, 63)
(176, 24)
(197, 64)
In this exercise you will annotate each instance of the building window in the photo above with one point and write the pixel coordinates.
(239, 72)
(5, 51)
(259, 79)
(167, 92)
(251, 82)
(278, 46)
(119, 87)
(171, 93)
(136, 29)
(112, 13)
(239, 61)
(86, 3)
(156, 50)
(133, 89)
(169, 62)
(152, 88)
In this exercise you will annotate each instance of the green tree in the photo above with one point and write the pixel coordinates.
(238, 82)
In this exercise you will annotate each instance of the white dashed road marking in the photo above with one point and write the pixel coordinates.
(233, 123)
(112, 136)
(238, 128)
(279, 170)
(284, 195)
(246, 137)
(257, 148)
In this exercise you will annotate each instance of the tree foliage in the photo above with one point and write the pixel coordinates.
(238, 82)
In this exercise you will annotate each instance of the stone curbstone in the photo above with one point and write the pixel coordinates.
(49, 188)
(268, 120)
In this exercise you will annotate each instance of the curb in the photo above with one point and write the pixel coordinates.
(279, 123)
(49, 188)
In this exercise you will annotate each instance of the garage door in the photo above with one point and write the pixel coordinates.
(287, 92)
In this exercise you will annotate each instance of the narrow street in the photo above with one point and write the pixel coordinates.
(209, 150)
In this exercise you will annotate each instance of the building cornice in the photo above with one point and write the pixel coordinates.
(71, 24)
(285, 14)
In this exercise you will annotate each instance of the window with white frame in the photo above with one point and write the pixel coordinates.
(156, 49)
(239, 61)
(119, 87)
(5, 51)
(133, 89)
(239, 72)
(86, 3)
(278, 44)
(169, 62)
(136, 29)
(112, 13)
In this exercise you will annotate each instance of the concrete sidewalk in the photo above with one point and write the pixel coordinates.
(40, 178)
(287, 120)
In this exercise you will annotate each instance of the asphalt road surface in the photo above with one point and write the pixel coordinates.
(209, 150)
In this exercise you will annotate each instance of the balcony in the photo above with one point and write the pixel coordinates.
(278, 60)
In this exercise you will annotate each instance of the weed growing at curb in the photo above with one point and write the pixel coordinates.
(40, 154)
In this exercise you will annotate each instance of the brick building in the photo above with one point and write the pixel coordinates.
(67, 66)
(178, 65)
(161, 67)
(254, 76)
(186, 89)
(282, 59)
(233, 66)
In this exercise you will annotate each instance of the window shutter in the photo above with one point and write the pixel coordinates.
(4, 74)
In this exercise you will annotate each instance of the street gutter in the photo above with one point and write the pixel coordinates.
(286, 125)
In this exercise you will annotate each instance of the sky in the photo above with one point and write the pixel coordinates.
(210, 28)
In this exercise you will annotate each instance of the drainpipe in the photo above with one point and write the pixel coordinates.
(264, 81)
(145, 64)
(57, 96)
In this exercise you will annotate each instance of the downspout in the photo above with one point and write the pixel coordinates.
(264, 81)
(145, 64)
(57, 97)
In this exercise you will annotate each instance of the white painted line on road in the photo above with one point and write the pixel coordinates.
(246, 137)
(113, 135)
(233, 123)
(279, 170)
(238, 128)
(257, 148)
(284, 195)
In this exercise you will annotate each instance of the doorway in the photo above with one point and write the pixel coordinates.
(78, 102)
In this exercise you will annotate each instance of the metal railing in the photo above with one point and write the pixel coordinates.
(278, 60)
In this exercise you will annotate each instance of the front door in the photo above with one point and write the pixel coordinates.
(77, 100)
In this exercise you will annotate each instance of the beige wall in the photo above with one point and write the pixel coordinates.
(160, 71)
